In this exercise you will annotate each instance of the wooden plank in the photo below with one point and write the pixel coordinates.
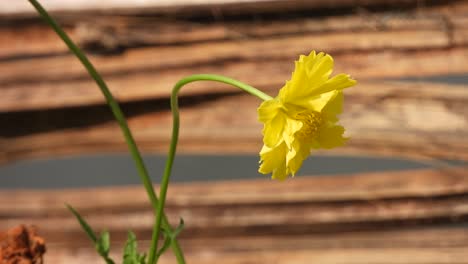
(183, 6)
(360, 187)
(325, 256)
(411, 246)
(427, 45)
(338, 256)
(381, 118)
(459, 27)
(417, 237)
(415, 215)
(114, 32)
(219, 53)
(235, 219)
(369, 201)
(117, 32)
(44, 80)
(54, 91)
(61, 81)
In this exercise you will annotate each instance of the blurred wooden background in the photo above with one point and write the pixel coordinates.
(397, 50)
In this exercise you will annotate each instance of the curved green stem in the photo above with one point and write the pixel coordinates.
(175, 138)
(114, 106)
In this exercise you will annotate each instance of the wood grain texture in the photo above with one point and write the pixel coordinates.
(188, 7)
(261, 55)
(63, 108)
(416, 215)
(49, 108)
(287, 250)
(381, 118)
(370, 199)
(112, 31)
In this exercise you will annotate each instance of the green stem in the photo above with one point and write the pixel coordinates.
(175, 136)
(114, 106)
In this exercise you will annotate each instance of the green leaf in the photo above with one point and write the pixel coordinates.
(131, 255)
(178, 229)
(165, 246)
(86, 227)
(103, 244)
(130, 246)
(169, 237)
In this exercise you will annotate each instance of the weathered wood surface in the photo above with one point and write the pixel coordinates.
(49, 106)
(113, 32)
(418, 215)
(212, 7)
(40, 81)
(261, 56)
(386, 247)
(413, 120)
(38, 71)
(224, 208)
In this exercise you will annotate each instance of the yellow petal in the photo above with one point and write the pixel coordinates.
(289, 132)
(274, 121)
(317, 103)
(273, 130)
(319, 68)
(273, 160)
(280, 173)
(311, 72)
(338, 82)
(268, 110)
(334, 107)
(331, 137)
(296, 155)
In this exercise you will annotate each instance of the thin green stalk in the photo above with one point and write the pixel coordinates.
(175, 136)
(114, 106)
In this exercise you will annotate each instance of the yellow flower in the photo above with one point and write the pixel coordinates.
(303, 116)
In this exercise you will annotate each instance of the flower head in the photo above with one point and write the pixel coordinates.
(303, 116)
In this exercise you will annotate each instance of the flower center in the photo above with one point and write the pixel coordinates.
(311, 121)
